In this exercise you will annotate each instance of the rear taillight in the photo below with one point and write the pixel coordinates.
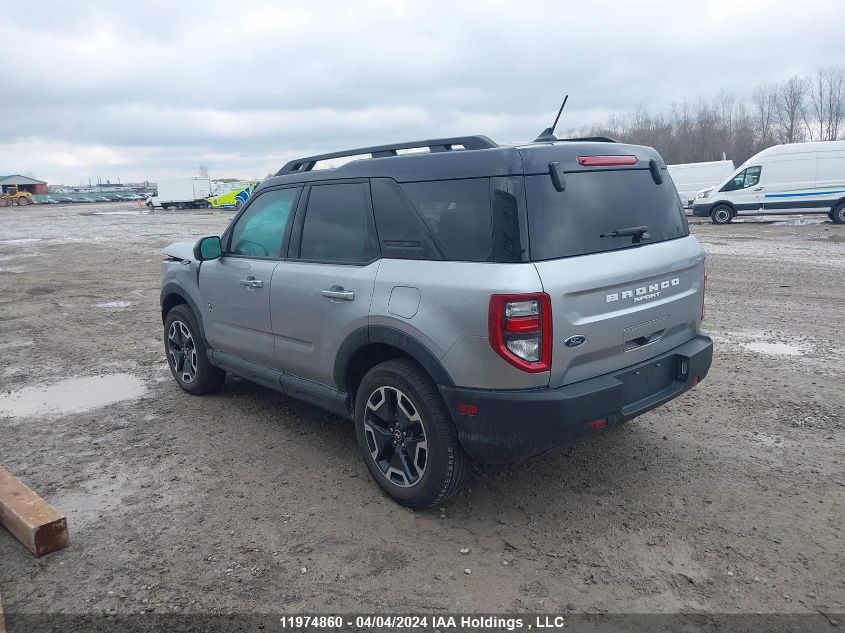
(606, 161)
(520, 328)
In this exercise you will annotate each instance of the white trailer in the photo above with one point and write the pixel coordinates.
(690, 178)
(182, 193)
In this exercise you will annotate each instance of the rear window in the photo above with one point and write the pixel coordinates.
(571, 222)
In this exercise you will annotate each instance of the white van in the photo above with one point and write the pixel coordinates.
(690, 178)
(795, 178)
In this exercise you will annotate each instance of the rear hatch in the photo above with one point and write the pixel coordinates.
(617, 299)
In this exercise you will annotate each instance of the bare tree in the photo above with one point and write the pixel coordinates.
(764, 101)
(827, 103)
(203, 171)
(701, 130)
(790, 110)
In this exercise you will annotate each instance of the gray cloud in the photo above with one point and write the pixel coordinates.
(119, 90)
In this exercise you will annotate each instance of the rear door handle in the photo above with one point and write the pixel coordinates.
(252, 282)
(337, 293)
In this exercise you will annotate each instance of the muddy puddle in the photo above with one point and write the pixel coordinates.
(73, 395)
(774, 349)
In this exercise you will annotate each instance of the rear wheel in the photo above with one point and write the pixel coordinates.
(838, 214)
(3, 202)
(406, 437)
(186, 353)
(721, 214)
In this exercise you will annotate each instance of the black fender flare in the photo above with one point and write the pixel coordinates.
(173, 288)
(386, 335)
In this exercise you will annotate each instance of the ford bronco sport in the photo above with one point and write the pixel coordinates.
(455, 298)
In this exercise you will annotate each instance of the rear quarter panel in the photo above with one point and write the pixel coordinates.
(451, 321)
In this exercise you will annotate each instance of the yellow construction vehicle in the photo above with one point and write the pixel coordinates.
(11, 195)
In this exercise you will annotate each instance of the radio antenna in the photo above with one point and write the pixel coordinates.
(548, 135)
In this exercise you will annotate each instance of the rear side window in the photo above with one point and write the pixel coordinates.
(261, 228)
(595, 203)
(336, 227)
(458, 214)
(402, 233)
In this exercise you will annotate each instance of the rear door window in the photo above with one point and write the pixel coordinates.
(336, 227)
(595, 203)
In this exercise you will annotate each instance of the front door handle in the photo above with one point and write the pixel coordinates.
(760, 188)
(252, 282)
(337, 293)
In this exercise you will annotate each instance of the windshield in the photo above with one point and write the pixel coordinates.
(582, 219)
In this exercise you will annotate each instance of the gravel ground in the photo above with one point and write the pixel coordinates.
(727, 500)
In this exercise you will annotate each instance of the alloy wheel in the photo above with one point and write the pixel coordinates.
(395, 436)
(181, 351)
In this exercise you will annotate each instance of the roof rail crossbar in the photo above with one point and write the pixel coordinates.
(307, 163)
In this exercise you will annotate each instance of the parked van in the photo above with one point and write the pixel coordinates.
(795, 178)
(690, 178)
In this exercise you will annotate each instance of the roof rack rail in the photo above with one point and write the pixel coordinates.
(595, 139)
(381, 151)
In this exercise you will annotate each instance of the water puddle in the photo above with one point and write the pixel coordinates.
(13, 269)
(774, 349)
(22, 240)
(73, 395)
(114, 305)
(137, 212)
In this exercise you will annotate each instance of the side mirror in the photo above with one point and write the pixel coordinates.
(207, 247)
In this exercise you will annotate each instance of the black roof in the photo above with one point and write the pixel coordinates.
(455, 157)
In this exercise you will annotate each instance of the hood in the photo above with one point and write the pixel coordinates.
(180, 250)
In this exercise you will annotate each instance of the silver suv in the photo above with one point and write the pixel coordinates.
(455, 298)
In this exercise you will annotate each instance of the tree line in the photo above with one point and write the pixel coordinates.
(808, 108)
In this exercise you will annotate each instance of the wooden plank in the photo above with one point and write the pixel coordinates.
(30, 519)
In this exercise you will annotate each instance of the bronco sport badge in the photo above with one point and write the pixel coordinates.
(651, 291)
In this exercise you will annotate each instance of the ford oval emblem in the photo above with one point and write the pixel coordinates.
(575, 341)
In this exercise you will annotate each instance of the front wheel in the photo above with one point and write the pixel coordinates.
(838, 214)
(721, 214)
(406, 437)
(186, 353)
(23, 201)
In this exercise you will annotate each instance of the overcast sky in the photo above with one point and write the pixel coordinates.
(146, 90)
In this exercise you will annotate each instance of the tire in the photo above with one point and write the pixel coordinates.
(3, 202)
(181, 205)
(238, 205)
(186, 353)
(150, 206)
(721, 214)
(23, 201)
(434, 466)
(838, 214)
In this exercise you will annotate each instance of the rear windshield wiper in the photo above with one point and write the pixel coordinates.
(636, 233)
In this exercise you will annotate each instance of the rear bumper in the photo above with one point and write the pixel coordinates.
(513, 425)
